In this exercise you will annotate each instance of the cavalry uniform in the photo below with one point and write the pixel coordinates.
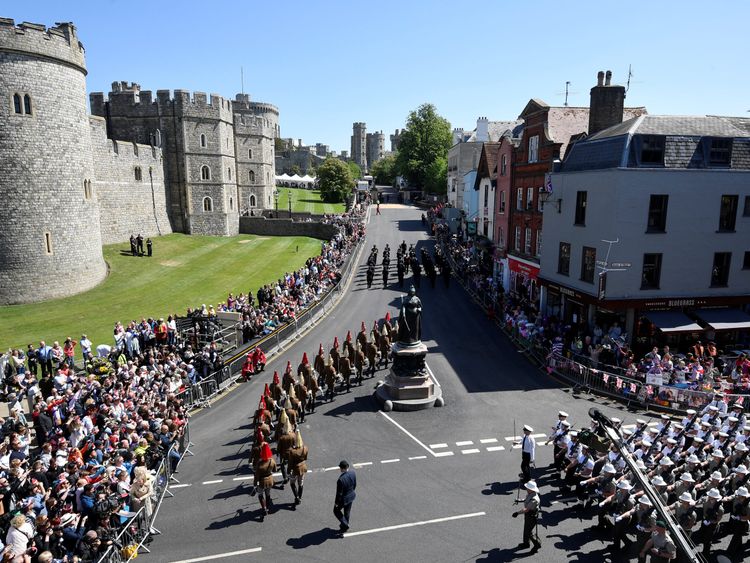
(385, 345)
(298, 467)
(264, 478)
(320, 361)
(307, 376)
(303, 396)
(329, 376)
(371, 351)
(284, 444)
(362, 336)
(288, 381)
(359, 363)
(349, 345)
(276, 387)
(345, 367)
(335, 355)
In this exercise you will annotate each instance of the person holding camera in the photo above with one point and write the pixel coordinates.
(530, 510)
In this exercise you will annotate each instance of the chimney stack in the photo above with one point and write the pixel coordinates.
(607, 103)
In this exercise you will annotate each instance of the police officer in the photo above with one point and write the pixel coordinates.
(530, 511)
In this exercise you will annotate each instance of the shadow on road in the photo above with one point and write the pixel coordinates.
(509, 554)
(497, 488)
(313, 538)
(242, 516)
(359, 404)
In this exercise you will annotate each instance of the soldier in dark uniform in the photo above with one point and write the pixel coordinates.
(288, 380)
(613, 506)
(359, 363)
(133, 249)
(385, 344)
(149, 247)
(276, 387)
(348, 345)
(738, 523)
(530, 511)
(345, 368)
(264, 478)
(371, 351)
(335, 354)
(713, 512)
(660, 546)
(385, 276)
(370, 276)
(400, 272)
(299, 396)
(284, 443)
(329, 376)
(139, 244)
(298, 467)
(307, 377)
(416, 270)
(320, 361)
(362, 336)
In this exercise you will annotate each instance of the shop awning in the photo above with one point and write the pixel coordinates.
(724, 319)
(673, 321)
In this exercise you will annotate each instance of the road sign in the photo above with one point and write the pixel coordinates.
(621, 264)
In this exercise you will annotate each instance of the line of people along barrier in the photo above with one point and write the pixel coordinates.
(610, 382)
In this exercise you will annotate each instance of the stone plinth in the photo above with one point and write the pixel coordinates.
(409, 385)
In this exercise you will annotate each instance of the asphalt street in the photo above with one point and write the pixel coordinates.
(433, 485)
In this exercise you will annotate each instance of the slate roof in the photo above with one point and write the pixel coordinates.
(495, 130)
(487, 162)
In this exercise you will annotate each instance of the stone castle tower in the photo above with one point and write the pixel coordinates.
(359, 145)
(218, 153)
(50, 243)
(375, 147)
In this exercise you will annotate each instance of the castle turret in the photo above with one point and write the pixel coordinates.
(50, 244)
(359, 145)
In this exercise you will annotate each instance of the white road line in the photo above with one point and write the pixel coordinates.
(513, 438)
(442, 454)
(243, 478)
(405, 431)
(432, 375)
(542, 443)
(220, 555)
(331, 468)
(438, 446)
(277, 474)
(465, 443)
(362, 464)
(516, 446)
(538, 435)
(496, 449)
(389, 460)
(471, 451)
(212, 482)
(417, 457)
(412, 524)
(180, 486)
(488, 441)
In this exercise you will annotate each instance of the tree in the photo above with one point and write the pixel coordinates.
(424, 142)
(384, 170)
(355, 170)
(295, 169)
(334, 180)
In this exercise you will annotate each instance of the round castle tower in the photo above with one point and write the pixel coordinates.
(50, 242)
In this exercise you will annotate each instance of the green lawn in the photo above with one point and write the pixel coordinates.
(185, 271)
(306, 200)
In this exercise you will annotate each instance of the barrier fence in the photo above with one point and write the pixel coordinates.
(605, 380)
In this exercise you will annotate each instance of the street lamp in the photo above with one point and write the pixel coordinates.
(276, 197)
(289, 194)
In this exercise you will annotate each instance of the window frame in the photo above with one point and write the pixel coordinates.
(724, 280)
(138, 173)
(501, 205)
(660, 213)
(253, 201)
(562, 258)
(205, 173)
(657, 266)
(585, 269)
(653, 146)
(17, 104)
(27, 105)
(579, 219)
(527, 241)
(529, 199)
(208, 204)
(503, 164)
(250, 154)
(538, 243)
(728, 215)
(533, 149)
(519, 199)
(251, 176)
(203, 141)
(720, 156)
(517, 239)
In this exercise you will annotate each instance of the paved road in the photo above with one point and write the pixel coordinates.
(445, 477)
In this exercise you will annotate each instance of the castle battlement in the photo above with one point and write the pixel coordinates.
(59, 43)
(139, 153)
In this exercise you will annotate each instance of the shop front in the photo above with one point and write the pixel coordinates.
(523, 282)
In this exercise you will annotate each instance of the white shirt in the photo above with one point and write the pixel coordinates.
(528, 445)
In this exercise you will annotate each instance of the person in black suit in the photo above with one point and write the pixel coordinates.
(345, 495)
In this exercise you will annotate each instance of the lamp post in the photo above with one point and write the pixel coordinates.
(276, 197)
(289, 195)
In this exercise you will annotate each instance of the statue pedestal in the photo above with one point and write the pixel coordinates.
(409, 385)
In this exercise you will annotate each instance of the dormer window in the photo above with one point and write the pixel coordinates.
(720, 153)
(652, 150)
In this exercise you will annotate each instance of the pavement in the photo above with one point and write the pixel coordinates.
(433, 485)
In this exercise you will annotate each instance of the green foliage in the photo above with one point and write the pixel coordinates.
(384, 171)
(295, 169)
(355, 170)
(279, 144)
(335, 180)
(424, 142)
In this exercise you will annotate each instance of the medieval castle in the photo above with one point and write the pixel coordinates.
(71, 181)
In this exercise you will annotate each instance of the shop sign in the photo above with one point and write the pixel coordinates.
(523, 268)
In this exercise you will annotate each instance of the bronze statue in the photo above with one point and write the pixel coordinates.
(410, 319)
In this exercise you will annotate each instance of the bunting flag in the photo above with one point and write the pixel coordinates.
(633, 388)
(649, 389)
(618, 383)
(605, 377)
(739, 399)
(549, 369)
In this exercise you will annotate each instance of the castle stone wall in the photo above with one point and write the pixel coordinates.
(50, 240)
(285, 228)
(127, 206)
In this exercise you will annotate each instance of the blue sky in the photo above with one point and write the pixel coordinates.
(326, 64)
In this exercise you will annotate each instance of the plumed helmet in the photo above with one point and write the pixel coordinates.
(305, 361)
(265, 452)
(276, 379)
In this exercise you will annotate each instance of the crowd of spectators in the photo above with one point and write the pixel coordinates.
(80, 448)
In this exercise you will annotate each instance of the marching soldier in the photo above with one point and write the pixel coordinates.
(385, 275)
(385, 344)
(371, 351)
(362, 336)
(370, 276)
(264, 478)
(713, 512)
(345, 367)
(335, 354)
(298, 467)
(738, 522)
(276, 387)
(348, 345)
(359, 362)
(660, 546)
(329, 376)
(307, 376)
(400, 269)
(375, 334)
(617, 504)
(295, 404)
(530, 511)
(528, 449)
(256, 449)
(288, 380)
(284, 443)
(560, 444)
(303, 398)
(320, 361)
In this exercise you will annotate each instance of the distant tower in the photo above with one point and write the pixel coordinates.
(359, 145)
(50, 241)
(395, 140)
(458, 135)
(375, 147)
(256, 126)
(607, 103)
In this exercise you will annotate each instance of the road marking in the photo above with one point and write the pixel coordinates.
(496, 449)
(412, 524)
(331, 468)
(243, 478)
(471, 451)
(180, 486)
(465, 443)
(212, 482)
(542, 443)
(438, 446)
(513, 438)
(442, 454)
(488, 441)
(220, 555)
(417, 457)
(405, 431)
(389, 460)
(432, 375)
(516, 446)
(538, 435)
(362, 464)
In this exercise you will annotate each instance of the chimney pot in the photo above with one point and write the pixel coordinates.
(609, 78)
(600, 78)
